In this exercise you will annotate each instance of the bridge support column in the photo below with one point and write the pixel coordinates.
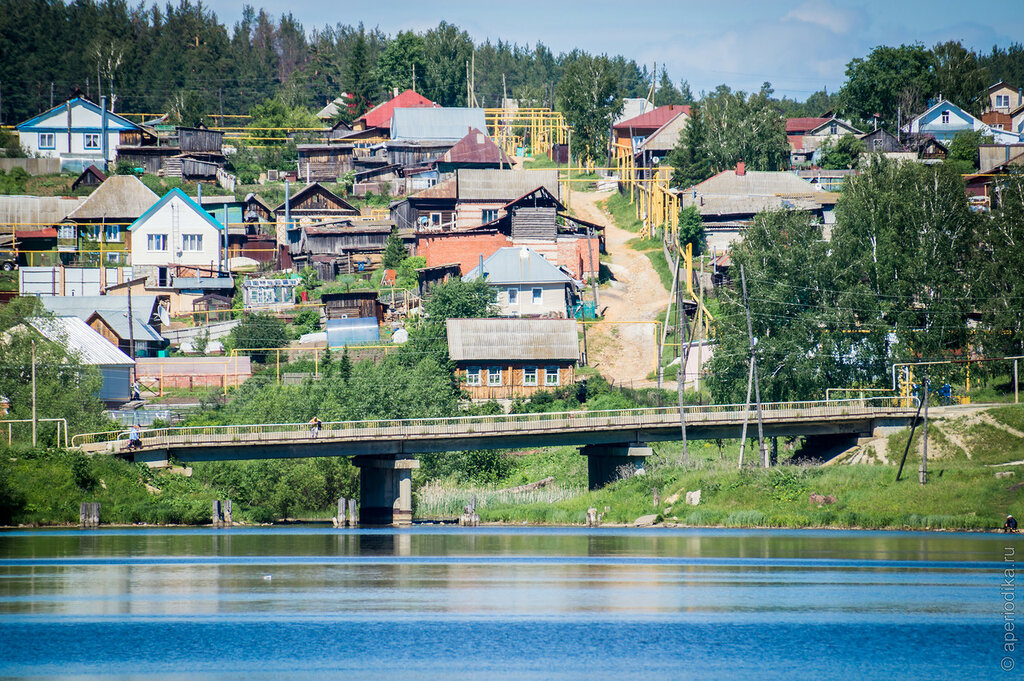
(604, 461)
(385, 489)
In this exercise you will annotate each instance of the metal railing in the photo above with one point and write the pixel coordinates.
(491, 425)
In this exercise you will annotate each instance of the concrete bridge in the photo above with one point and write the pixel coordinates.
(385, 450)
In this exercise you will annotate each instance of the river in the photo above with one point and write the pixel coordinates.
(504, 603)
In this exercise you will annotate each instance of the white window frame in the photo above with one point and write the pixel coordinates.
(530, 376)
(192, 243)
(436, 219)
(156, 243)
(944, 117)
(494, 377)
(834, 129)
(552, 376)
(66, 233)
(488, 214)
(112, 234)
(537, 296)
(51, 136)
(1002, 101)
(93, 137)
(513, 295)
(473, 376)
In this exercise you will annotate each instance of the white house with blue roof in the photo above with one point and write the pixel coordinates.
(78, 132)
(944, 119)
(177, 240)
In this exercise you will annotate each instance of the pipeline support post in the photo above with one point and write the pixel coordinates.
(385, 489)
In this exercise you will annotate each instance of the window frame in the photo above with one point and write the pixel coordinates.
(488, 215)
(112, 234)
(67, 232)
(95, 136)
(513, 295)
(537, 295)
(156, 239)
(944, 117)
(494, 377)
(53, 140)
(552, 372)
(528, 372)
(1002, 101)
(473, 376)
(192, 243)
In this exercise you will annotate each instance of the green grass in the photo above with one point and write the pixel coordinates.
(639, 243)
(663, 269)
(623, 212)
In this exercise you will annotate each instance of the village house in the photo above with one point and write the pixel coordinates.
(656, 147)
(420, 136)
(179, 248)
(807, 135)
(632, 132)
(729, 201)
(78, 132)
(90, 177)
(190, 153)
(526, 284)
(96, 232)
(1004, 109)
(944, 119)
(108, 316)
(509, 358)
(312, 204)
(342, 247)
(378, 119)
(474, 151)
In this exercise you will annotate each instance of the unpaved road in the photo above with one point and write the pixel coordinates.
(624, 353)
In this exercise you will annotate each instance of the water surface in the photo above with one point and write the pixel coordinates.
(508, 603)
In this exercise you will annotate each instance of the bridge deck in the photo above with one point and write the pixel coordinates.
(412, 436)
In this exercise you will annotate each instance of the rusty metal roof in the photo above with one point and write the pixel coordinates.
(537, 340)
(654, 119)
(476, 147)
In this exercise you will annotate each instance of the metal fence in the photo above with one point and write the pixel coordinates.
(484, 425)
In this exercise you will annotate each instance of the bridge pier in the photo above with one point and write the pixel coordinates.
(604, 461)
(385, 489)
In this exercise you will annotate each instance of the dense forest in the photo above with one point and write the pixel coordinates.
(153, 58)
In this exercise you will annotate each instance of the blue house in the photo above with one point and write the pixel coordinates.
(944, 119)
(78, 132)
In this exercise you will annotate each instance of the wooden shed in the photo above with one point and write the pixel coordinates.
(349, 304)
(200, 140)
(216, 307)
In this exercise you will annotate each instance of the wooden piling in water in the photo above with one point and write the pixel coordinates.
(353, 513)
(217, 518)
(89, 514)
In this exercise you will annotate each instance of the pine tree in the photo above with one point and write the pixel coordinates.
(394, 252)
(358, 78)
(688, 158)
(345, 366)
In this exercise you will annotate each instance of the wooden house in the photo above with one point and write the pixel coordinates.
(312, 204)
(429, 278)
(632, 132)
(881, 141)
(211, 308)
(78, 132)
(475, 150)
(525, 284)
(353, 304)
(378, 119)
(509, 358)
(90, 177)
(98, 229)
(200, 141)
(324, 162)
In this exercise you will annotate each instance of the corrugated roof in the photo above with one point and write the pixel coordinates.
(756, 183)
(518, 265)
(802, 125)
(476, 147)
(450, 123)
(120, 196)
(654, 119)
(80, 339)
(539, 340)
(441, 190)
(35, 211)
(504, 185)
(114, 310)
(380, 115)
(118, 321)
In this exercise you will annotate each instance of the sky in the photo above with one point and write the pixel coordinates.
(800, 46)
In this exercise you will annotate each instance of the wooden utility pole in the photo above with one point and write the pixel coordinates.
(923, 471)
(701, 322)
(681, 373)
(753, 367)
(34, 419)
(596, 273)
(414, 76)
(746, 412)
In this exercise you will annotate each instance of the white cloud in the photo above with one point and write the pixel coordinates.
(825, 15)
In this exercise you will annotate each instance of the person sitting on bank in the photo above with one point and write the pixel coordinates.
(314, 426)
(1010, 525)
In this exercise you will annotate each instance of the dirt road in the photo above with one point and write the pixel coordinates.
(625, 353)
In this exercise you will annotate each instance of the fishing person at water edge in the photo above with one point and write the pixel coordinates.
(1010, 525)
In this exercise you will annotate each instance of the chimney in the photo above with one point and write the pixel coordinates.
(741, 169)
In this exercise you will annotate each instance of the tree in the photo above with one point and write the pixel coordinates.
(446, 50)
(691, 229)
(667, 92)
(455, 299)
(738, 127)
(359, 79)
(842, 153)
(587, 95)
(258, 333)
(959, 78)
(963, 150)
(889, 80)
(394, 251)
(400, 60)
(688, 158)
(345, 366)
(188, 109)
(1001, 298)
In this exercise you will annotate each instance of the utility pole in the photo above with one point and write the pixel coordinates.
(746, 412)
(51, 106)
(590, 257)
(131, 332)
(34, 420)
(681, 373)
(923, 472)
(414, 76)
(220, 95)
(701, 322)
(753, 368)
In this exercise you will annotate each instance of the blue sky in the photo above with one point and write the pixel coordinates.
(800, 45)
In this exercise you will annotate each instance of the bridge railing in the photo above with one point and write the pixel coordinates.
(262, 433)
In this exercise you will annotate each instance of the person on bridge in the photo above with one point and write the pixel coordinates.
(1010, 525)
(134, 438)
(314, 426)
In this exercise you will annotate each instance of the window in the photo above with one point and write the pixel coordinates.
(112, 234)
(114, 258)
(47, 140)
(66, 233)
(156, 242)
(538, 296)
(92, 140)
(945, 117)
(1002, 101)
(513, 296)
(876, 144)
(551, 376)
(162, 277)
(490, 214)
(435, 219)
(834, 128)
(494, 376)
(529, 375)
(473, 376)
(998, 126)
(90, 232)
(191, 242)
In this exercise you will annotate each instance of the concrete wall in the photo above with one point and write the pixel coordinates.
(33, 166)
